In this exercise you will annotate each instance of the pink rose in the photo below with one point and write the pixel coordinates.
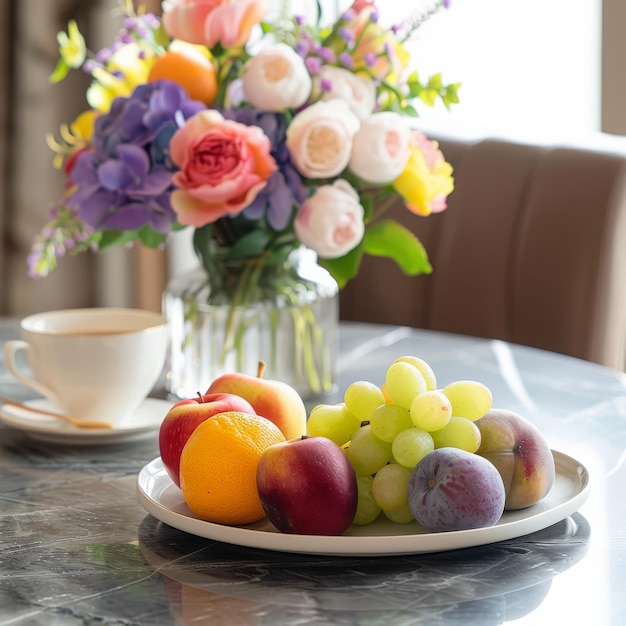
(330, 222)
(184, 19)
(359, 6)
(223, 166)
(208, 22)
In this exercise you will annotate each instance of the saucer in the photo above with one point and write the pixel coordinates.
(145, 420)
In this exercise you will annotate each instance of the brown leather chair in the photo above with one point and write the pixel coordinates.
(532, 250)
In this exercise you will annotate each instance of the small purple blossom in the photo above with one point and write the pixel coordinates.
(346, 60)
(346, 35)
(348, 16)
(300, 20)
(374, 17)
(302, 48)
(326, 84)
(90, 65)
(370, 59)
(326, 54)
(103, 56)
(313, 64)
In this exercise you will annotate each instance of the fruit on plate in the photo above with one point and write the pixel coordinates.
(218, 467)
(520, 453)
(183, 418)
(273, 399)
(307, 486)
(452, 489)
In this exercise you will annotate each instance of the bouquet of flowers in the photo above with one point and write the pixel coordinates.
(264, 136)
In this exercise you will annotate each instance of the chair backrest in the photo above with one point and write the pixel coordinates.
(532, 250)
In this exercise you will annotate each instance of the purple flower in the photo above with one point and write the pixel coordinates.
(346, 35)
(125, 182)
(346, 60)
(313, 64)
(284, 189)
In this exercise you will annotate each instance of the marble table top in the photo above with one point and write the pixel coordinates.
(76, 547)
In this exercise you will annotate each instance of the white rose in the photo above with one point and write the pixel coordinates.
(381, 148)
(357, 90)
(319, 138)
(277, 79)
(330, 222)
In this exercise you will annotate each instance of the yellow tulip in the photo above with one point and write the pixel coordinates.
(425, 182)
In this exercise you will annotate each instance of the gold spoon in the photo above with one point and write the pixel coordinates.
(66, 418)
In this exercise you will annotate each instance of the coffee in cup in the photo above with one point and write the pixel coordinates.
(94, 364)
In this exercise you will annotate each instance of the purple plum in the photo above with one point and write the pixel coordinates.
(452, 489)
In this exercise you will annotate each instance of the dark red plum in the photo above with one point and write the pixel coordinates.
(451, 489)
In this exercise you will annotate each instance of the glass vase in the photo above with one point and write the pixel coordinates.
(230, 316)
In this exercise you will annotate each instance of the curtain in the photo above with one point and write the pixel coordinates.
(29, 109)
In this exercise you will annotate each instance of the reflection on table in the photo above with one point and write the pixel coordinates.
(76, 546)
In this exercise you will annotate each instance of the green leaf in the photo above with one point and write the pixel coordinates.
(389, 239)
(201, 238)
(111, 238)
(59, 72)
(346, 267)
(435, 82)
(367, 202)
(250, 244)
(409, 110)
(450, 95)
(150, 237)
(428, 96)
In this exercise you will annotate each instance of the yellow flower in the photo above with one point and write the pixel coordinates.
(128, 67)
(427, 179)
(74, 137)
(72, 45)
(82, 126)
(72, 50)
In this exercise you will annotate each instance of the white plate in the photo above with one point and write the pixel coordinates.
(144, 421)
(161, 498)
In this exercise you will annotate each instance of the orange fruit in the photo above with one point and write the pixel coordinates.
(218, 467)
(192, 72)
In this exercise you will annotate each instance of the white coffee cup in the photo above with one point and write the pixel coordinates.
(97, 364)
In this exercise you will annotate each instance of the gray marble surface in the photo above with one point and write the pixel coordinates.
(77, 548)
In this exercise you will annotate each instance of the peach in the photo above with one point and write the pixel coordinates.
(521, 455)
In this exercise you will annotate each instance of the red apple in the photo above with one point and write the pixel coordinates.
(307, 486)
(276, 401)
(520, 453)
(182, 419)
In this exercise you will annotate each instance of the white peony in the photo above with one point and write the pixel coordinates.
(277, 79)
(357, 90)
(330, 222)
(319, 138)
(381, 148)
